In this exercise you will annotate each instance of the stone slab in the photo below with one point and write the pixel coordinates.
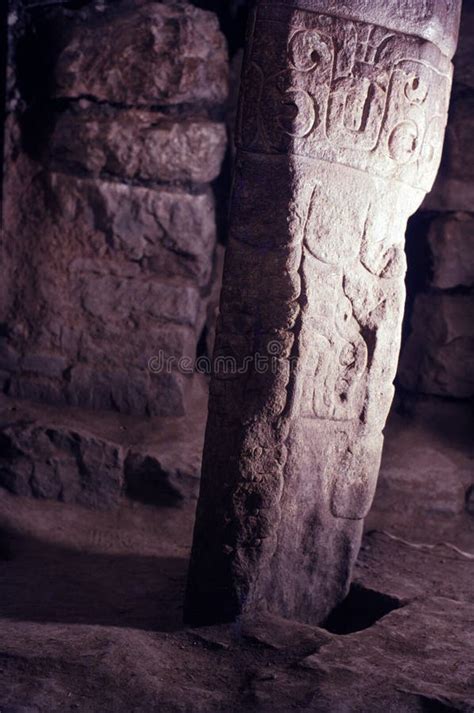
(144, 53)
(96, 459)
(140, 145)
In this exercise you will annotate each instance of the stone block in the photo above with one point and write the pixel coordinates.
(113, 298)
(35, 387)
(49, 365)
(144, 342)
(454, 188)
(458, 158)
(154, 480)
(140, 375)
(96, 458)
(141, 145)
(131, 390)
(144, 53)
(438, 357)
(112, 260)
(451, 241)
(168, 231)
(62, 464)
(450, 194)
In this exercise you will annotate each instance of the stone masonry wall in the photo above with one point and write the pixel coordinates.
(114, 134)
(439, 354)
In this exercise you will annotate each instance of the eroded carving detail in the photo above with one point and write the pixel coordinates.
(340, 131)
(347, 92)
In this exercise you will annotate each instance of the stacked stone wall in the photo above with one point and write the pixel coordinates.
(114, 134)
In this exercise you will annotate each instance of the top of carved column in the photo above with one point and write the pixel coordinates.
(363, 83)
(434, 20)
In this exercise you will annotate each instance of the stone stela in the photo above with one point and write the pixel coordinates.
(339, 137)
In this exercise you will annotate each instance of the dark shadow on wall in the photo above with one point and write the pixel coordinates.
(419, 263)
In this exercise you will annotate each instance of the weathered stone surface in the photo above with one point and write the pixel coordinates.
(450, 194)
(109, 259)
(283, 634)
(410, 495)
(451, 240)
(96, 459)
(140, 145)
(454, 188)
(75, 590)
(130, 390)
(65, 465)
(429, 19)
(458, 155)
(171, 231)
(339, 136)
(174, 302)
(445, 492)
(110, 232)
(144, 53)
(439, 355)
(430, 480)
(352, 663)
(425, 567)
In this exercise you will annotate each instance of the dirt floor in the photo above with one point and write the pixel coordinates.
(91, 603)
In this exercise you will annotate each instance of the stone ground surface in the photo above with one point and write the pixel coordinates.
(91, 604)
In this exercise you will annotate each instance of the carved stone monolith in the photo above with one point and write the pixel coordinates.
(342, 115)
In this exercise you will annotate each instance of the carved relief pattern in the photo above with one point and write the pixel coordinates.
(337, 360)
(316, 264)
(347, 92)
